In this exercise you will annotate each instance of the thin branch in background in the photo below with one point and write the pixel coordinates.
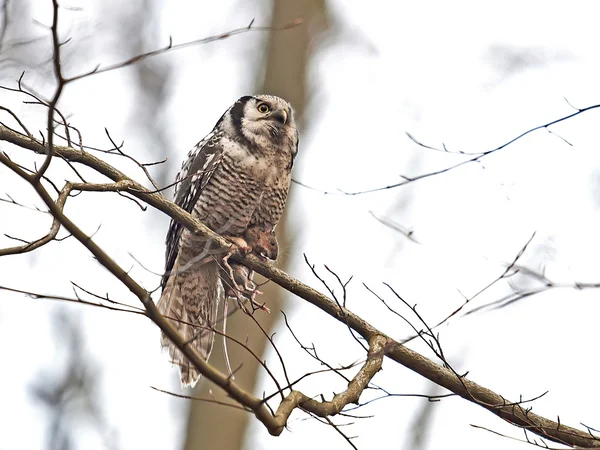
(397, 227)
(117, 148)
(104, 298)
(333, 295)
(430, 398)
(21, 124)
(348, 439)
(527, 440)
(60, 85)
(50, 236)
(433, 340)
(203, 399)
(306, 375)
(311, 351)
(344, 285)
(510, 270)
(12, 201)
(256, 357)
(35, 295)
(519, 295)
(277, 352)
(590, 429)
(477, 158)
(171, 47)
(45, 103)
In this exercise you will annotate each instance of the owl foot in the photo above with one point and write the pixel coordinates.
(248, 294)
(239, 285)
(239, 244)
(241, 275)
(263, 243)
(253, 303)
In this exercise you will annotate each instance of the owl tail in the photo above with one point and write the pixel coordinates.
(190, 300)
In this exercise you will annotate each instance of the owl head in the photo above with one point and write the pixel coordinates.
(263, 121)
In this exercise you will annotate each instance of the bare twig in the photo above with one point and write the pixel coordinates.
(202, 399)
(51, 235)
(477, 158)
(60, 84)
(117, 148)
(171, 47)
(121, 307)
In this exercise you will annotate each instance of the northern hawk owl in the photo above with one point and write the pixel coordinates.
(235, 181)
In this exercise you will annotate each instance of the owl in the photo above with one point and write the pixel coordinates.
(235, 181)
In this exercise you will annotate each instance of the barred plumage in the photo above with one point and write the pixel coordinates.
(236, 179)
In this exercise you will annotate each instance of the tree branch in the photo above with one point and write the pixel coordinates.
(509, 411)
(476, 158)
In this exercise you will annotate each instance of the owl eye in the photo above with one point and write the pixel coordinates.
(263, 108)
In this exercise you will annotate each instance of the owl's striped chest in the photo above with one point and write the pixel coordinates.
(242, 190)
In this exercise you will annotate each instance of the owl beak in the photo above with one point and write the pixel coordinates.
(281, 115)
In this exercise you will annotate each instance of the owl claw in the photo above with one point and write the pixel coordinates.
(256, 305)
(241, 287)
(263, 243)
(240, 245)
(242, 299)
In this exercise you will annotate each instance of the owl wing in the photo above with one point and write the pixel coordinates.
(195, 172)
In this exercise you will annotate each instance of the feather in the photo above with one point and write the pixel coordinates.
(190, 301)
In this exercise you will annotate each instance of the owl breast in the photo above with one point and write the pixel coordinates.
(245, 189)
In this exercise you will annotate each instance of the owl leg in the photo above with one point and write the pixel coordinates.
(253, 291)
(253, 303)
(242, 288)
(239, 244)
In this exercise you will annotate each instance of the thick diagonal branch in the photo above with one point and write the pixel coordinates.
(509, 411)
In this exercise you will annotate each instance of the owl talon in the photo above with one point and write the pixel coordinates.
(239, 285)
(261, 241)
(240, 245)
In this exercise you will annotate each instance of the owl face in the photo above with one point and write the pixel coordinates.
(266, 112)
(262, 120)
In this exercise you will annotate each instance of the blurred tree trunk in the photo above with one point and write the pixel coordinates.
(287, 58)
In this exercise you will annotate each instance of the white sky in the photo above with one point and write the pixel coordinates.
(431, 68)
